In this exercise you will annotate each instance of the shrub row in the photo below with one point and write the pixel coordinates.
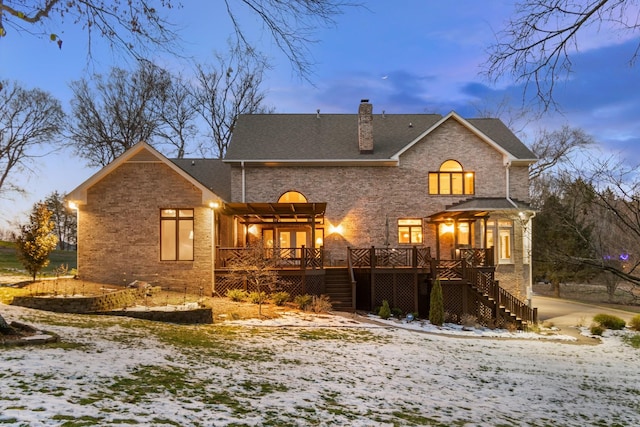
(317, 304)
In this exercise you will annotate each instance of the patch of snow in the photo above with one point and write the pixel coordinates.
(277, 372)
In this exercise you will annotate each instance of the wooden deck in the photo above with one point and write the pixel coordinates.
(401, 276)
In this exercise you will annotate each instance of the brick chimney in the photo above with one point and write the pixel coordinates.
(365, 127)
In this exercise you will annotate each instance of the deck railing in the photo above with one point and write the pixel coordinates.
(414, 257)
(485, 283)
(301, 257)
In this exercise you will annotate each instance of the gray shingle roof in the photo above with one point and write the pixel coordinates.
(307, 137)
(330, 137)
(500, 133)
(212, 173)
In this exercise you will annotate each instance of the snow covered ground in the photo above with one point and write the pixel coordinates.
(306, 370)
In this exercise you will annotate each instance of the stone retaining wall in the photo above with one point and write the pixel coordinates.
(115, 304)
(195, 316)
(83, 304)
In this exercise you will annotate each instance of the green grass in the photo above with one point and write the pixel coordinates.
(632, 340)
(10, 264)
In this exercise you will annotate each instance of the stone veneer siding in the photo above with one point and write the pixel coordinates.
(119, 229)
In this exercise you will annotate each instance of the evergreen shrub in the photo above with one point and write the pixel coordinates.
(609, 321)
(436, 308)
(385, 311)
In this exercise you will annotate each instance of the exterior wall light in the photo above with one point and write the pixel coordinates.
(446, 228)
(336, 229)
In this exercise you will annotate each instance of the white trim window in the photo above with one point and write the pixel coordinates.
(500, 236)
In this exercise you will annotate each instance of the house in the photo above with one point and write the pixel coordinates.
(314, 188)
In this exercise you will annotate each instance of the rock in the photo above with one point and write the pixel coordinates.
(23, 327)
(3, 323)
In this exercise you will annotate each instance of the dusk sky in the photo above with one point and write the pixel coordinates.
(407, 56)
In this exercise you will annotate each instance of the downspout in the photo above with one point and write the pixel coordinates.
(508, 184)
(243, 181)
(530, 236)
(529, 223)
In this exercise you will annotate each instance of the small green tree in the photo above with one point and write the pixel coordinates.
(37, 240)
(436, 305)
(385, 311)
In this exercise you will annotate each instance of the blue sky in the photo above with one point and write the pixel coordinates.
(407, 56)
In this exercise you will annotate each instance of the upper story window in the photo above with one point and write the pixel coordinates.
(292, 197)
(451, 179)
(176, 234)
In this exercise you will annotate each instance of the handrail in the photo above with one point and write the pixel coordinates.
(487, 285)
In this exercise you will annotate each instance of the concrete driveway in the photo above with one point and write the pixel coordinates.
(567, 315)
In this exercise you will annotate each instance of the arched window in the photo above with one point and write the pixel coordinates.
(451, 179)
(292, 197)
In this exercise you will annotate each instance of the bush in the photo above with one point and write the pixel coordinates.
(257, 297)
(597, 329)
(280, 298)
(436, 308)
(609, 321)
(634, 323)
(321, 304)
(303, 302)
(237, 295)
(468, 320)
(632, 340)
(385, 311)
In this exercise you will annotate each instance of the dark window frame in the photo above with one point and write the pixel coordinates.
(177, 219)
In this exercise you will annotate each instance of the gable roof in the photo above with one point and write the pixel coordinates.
(491, 131)
(139, 153)
(303, 139)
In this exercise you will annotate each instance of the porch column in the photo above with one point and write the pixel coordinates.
(437, 225)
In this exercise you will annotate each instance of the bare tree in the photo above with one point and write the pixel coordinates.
(552, 148)
(140, 26)
(618, 209)
(64, 220)
(177, 116)
(134, 26)
(536, 44)
(225, 90)
(291, 24)
(122, 110)
(562, 234)
(256, 264)
(28, 119)
(588, 226)
(555, 147)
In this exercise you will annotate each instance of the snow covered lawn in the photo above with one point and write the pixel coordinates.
(310, 371)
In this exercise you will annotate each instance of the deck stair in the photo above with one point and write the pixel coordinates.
(503, 304)
(338, 288)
